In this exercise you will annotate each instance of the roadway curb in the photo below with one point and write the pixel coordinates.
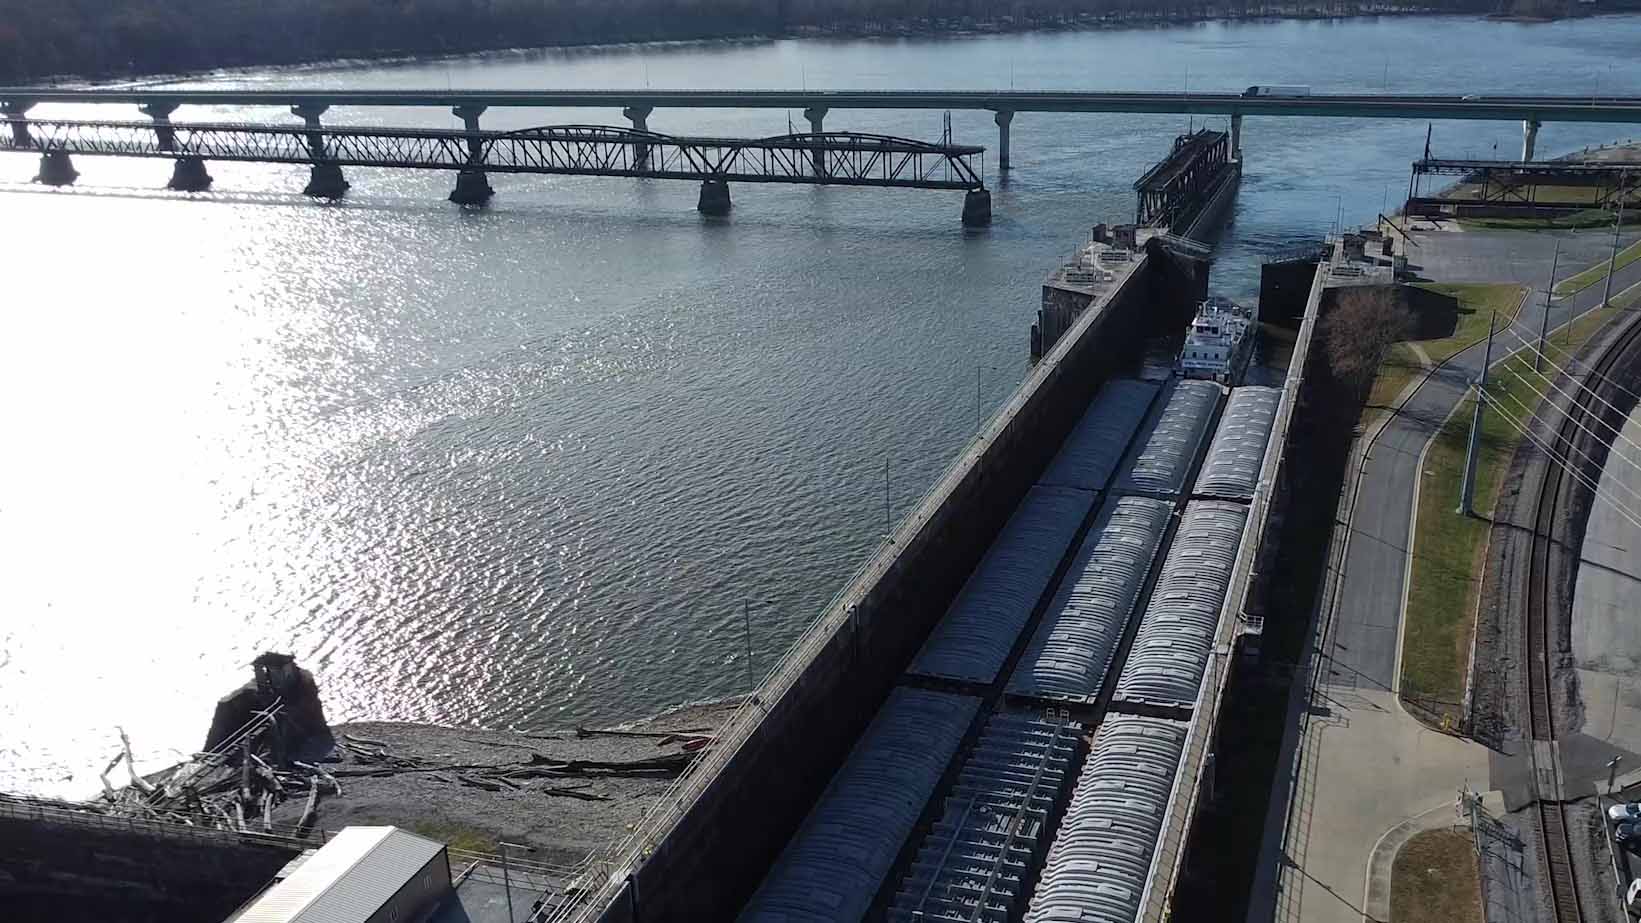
(1413, 521)
(1382, 860)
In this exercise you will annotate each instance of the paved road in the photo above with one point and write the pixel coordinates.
(1356, 767)
(1367, 621)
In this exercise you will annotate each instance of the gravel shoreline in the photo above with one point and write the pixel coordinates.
(562, 817)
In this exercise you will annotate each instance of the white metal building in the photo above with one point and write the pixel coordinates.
(363, 875)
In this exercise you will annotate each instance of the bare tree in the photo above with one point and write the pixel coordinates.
(1363, 324)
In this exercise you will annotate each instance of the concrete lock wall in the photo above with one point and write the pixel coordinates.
(66, 872)
(714, 858)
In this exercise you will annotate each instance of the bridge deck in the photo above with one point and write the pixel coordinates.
(839, 158)
(1616, 109)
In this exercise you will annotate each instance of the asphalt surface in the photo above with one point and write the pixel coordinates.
(1368, 617)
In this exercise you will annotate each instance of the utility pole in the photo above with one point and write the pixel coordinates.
(1467, 490)
(746, 623)
(1549, 297)
(886, 528)
(1618, 222)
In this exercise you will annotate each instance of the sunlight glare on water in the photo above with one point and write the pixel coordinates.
(523, 467)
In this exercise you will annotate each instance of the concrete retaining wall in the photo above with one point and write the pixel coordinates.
(715, 856)
(64, 872)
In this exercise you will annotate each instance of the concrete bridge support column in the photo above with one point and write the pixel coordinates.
(325, 180)
(472, 183)
(977, 208)
(56, 169)
(639, 116)
(188, 174)
(714, 198)
(1003, 117)
(16, 109)
(817, 125)
(1236, 136)
(1529, 138)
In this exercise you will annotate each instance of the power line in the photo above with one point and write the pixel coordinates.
(1617, 432)
(1568, 356)
(1595, 489)
(1529, 415)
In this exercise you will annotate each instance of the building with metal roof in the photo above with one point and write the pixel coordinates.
(834, 865)
(1091, 452)
(1169, 444)
(362, 875)
(975, 864)
(1231, 469)
(1101, 859)
(1071, 651)
(1176, 633)
(980, 627)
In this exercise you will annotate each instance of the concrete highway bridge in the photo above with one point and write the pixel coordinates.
(637, 105)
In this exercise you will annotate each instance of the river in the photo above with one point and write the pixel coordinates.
(561, 460)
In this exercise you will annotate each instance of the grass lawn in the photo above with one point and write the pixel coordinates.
(457, 836)
(1478, 302)
(1435, 879)
(1400, 367)
(1598, 272)
(1449, 549)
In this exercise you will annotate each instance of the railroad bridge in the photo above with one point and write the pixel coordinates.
(1172, 193)
(831, 158)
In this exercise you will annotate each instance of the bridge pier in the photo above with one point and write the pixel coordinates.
(977, 208)
(817, 125)
(188, 174)
(56, 169)
(1529, 138)
(472, 183)
(639, 116)
(714, 198)
(1236, 136)
(16, 109)
(325, 180)
(1003, 117)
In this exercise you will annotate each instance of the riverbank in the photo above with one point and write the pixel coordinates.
(563, 794)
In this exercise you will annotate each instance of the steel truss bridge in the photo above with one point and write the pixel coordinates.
(1171, 190)
(836, 158)
(1587, 184)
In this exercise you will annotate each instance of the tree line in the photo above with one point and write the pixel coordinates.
(108, 38)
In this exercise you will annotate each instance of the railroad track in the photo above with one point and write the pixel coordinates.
(1555, 843)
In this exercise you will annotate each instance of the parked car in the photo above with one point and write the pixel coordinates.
(1632, 896)
(1620, 813)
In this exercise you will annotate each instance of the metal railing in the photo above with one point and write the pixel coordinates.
(1158, 898)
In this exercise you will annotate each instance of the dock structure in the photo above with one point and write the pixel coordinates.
(1520, 189)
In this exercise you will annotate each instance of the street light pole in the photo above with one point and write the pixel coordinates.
(1618, 222)
(1549, 296)
(1467, 489)
(506, 879)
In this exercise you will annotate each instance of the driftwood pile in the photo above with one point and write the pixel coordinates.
(231, 788)
(373, 759)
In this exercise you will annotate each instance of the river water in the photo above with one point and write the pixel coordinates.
(561, 460)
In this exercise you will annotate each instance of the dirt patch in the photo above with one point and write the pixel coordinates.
(1434, 879)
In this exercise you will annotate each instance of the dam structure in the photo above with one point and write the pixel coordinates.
(1011, 712)
(1184, 198)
